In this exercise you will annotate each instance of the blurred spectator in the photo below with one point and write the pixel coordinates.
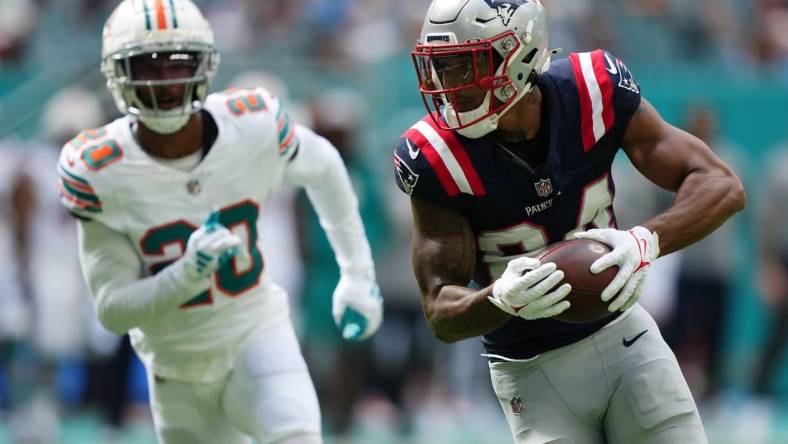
(404, 351)
(580, 25)
(15, 301)
(371, 21)
(57, 283)
(341, 369)
(705, 276)
(48, 276)
(770, 35)
(15, 304)
(61, 342)
(17, 24)
(772, 268)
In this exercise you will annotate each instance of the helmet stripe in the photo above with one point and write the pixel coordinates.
(161, 19)
(172, 13)
(147, 14)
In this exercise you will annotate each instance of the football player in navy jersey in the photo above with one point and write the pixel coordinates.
(514, 154)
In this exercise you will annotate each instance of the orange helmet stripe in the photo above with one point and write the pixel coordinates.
(161, 19)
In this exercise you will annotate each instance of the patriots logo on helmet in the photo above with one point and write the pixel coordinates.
(406, 175)
(513, 4)
(505, 10)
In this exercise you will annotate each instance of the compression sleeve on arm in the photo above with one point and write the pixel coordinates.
(113, 273)
(320, 170)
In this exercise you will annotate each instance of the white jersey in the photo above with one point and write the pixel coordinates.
(107, 177)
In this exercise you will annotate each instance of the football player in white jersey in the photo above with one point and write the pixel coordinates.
(168, 199)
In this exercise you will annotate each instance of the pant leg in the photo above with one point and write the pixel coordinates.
(650, 402)
(185, 413)
(558, 397)
(269, 394)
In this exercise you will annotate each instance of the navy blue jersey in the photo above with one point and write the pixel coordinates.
(515, 210)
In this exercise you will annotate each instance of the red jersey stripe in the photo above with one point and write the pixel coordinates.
(461, 155)
(435, 161)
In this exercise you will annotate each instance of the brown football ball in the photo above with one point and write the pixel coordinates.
(574, 257)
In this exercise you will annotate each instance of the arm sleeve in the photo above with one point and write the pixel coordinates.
(112, 271)
(319, 169)
(76, 193)
(414, 175)
(626, 92)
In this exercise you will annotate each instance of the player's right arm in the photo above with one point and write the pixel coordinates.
(444, 257)
(124, 297)
(112, 270)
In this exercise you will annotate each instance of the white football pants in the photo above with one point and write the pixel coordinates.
(621, 385)
(269, 396)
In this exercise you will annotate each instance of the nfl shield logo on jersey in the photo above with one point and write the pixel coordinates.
(517, 405)
(193, 186)
(543, 187)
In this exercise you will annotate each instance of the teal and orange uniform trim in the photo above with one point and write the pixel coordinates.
(160, 12)
(286, 132)
(77, 192)
(101, 155)
(250, 102)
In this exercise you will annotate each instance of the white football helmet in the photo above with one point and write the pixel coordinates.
(150, 28)
(476, 58)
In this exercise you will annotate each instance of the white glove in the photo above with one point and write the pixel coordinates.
(209, 248)
(357, 306)
(526, 295)
(633, 252)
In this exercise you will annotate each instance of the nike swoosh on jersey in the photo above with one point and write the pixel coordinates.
(412, 152)
(610, 66)
(628, 342)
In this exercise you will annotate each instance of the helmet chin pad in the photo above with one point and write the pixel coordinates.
(485, 123)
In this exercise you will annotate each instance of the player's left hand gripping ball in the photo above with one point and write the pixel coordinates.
(633, 251)
(357, 307)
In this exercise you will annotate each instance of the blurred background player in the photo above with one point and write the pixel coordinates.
(704, 275)
(773, 270)
(213, 331)
(515, 154)
(48, 257)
